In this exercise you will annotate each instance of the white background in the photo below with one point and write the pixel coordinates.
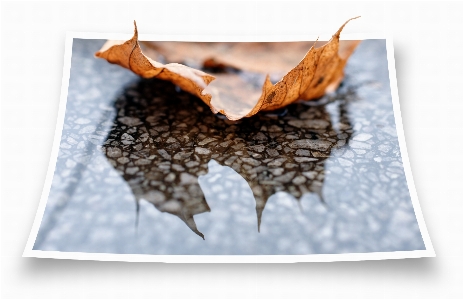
(429, 64)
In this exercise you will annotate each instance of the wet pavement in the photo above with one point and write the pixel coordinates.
(146, 168)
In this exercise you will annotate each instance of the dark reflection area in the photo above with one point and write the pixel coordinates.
(162, 140)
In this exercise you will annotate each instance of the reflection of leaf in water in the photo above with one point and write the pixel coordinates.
(320, 71)
(162, 142)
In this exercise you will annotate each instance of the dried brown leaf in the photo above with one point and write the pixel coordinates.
(320, 71)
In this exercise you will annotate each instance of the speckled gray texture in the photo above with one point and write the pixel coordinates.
(146, 168)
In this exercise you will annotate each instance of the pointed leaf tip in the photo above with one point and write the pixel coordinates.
(135, 30)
